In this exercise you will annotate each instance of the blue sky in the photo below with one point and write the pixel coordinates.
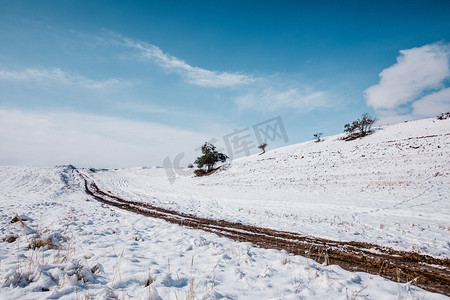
(122, 84)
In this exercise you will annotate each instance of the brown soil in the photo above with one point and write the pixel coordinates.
(425, 271)
(201, 172)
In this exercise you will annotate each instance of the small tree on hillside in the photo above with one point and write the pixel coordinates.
(317, 136)
(360, 127)
(350, 128)
(210, 157)
(263, 148)
(365, 124)
(443, 116)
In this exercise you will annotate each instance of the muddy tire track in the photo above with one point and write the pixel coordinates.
(427, 272)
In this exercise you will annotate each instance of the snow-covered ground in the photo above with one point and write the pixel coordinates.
(390, 188)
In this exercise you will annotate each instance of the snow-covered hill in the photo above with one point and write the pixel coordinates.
(390, 188)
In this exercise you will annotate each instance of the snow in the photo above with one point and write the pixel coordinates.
(395, 195)
(389, 188)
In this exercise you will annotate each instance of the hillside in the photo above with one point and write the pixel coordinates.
(390, 189)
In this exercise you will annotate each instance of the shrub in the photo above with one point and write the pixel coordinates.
(359, 128)
(317, 136)
(443, 116)
(210, 157)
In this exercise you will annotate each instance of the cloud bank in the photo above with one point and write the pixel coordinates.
(47, 139)
(415, 85)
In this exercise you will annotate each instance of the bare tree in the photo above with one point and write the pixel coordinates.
(263, 148)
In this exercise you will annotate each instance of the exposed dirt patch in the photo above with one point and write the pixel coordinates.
(201, 172)
(10, 239)
(425, 271)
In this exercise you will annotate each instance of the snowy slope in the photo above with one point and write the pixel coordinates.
(396, 195)
(99, 252)
(390, 188)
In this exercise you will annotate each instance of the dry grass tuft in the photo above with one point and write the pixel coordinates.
(10, 239)
(149, 280)
(326, 259)
(95, 269)
(16, 219)
(357, 294)
(190, 295)
(38, 242)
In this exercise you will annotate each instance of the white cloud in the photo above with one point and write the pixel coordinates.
(408, 83)
(432, 104)
(59, 77)
(193, 75)
(45, 139)
(261, 93)
(417, 70)
(270, 99)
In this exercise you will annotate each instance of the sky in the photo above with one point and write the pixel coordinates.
(115, 84)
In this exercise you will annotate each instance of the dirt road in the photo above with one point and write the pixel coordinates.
(427, 272)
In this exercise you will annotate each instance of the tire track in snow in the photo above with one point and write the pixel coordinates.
(427, 272)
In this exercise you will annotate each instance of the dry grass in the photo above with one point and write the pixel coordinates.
(298, 285)
(40, 255)
(285, 259)
(190, 295)
(357, 294)
(326, 259)
(117, 273)
(38, 242)
(441, 227)
(16, 219)
(10, 239)
(148, 284)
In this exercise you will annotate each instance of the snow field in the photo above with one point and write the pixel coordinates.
(390, 188)
(104, 253)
